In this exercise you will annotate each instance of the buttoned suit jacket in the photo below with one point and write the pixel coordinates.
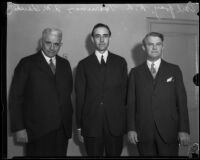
(92, 95)
(39, 100)
(162, 101)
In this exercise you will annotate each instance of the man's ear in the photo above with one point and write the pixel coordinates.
(143, 47)
(92, 39)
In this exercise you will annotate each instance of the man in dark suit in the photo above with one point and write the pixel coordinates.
(100, 87)
(40, 99)
(157, 103)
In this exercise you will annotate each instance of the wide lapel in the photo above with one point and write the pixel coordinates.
(160, 74)
(147, 76)
(95, 67)
(43, 65)
(109, 67)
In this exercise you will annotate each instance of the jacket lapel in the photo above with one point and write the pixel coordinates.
(42, 64)
(95, 67)
(160, 75)
(148, 77)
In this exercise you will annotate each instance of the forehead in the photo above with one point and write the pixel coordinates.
(101, 30)
(153, 39)
(52, 36)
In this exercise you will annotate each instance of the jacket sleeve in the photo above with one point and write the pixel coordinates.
(131, 103)
(17, 96)
(124, 81)
(181, 102)
(80, 85)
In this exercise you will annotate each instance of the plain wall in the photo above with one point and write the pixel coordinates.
(128, 25)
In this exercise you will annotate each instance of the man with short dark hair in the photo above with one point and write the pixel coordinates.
(100, 87)
(157, 103)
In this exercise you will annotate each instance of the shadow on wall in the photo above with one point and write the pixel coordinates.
(138, 54)
(89, 45)
(39, 45)
(90, 49)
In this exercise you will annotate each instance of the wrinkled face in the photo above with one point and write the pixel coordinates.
(101, 39)
(51, 43)
(153, 47)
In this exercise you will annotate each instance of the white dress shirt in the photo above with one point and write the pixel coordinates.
(98, 54)
(156, 64)
(48, 59)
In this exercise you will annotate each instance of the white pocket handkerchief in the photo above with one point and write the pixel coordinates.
(170, 79)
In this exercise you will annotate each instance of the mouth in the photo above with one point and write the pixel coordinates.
(154, 52)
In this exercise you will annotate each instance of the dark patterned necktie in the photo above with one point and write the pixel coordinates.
(153, 70)
(52, 66)
(103, 63)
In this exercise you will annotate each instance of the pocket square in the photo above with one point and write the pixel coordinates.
(170, 79)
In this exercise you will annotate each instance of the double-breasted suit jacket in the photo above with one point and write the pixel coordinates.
(39, 100)
(161, 101)
(99, 94)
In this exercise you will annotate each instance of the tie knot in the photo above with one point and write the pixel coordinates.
(153, 70)
(102, 60)
(51, 61)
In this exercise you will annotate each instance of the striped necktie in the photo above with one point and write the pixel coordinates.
(52, 66)
(153, 70)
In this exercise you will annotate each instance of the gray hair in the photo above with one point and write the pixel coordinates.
(53, 31)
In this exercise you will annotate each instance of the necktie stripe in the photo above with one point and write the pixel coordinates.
(153, 70)
(52, 66)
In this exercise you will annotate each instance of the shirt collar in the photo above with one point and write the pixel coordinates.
(156, 64)
(98, 54)
(48, 59)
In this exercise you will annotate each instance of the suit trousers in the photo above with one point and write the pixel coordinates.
(157, 146)
(112, 144)
(50, 145)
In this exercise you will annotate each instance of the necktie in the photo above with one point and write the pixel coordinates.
(52, 66)
(153, 70)
(103, 63)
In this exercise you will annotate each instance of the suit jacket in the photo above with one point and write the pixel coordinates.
(39, 100)
(162, 101)
(92, 95)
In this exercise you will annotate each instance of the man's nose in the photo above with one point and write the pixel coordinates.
(101, 39)
(52, 46)
(154, 47)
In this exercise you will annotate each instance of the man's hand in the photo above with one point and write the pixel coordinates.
(184, 138)
(21, 136)
(80, 137)
(132, 137)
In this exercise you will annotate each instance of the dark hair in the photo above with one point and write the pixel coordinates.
(154, 34)
(101, 25)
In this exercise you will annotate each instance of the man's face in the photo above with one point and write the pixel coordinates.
(101, 39)
(51, 43)
(153, 47)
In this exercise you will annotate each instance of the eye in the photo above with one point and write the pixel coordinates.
(57, 44)
(149, 44)
(48, 43)
(106, 35)
(97, 36)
